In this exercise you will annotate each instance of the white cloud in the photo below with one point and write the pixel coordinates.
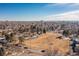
(68, 16)
(55, 4)
(70, 5)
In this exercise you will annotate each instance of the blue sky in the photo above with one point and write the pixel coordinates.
(33, 11)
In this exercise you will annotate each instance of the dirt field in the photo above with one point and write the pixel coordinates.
(48, 44)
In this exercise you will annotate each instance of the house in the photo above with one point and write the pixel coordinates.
(3, 40)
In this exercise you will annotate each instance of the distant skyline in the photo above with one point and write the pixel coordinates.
(37, 11)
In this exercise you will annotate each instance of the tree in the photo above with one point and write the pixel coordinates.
(44, 31)
(2, 52)
(66, 33)
(21, 39)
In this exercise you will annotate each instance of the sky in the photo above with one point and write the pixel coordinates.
(38, 11)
